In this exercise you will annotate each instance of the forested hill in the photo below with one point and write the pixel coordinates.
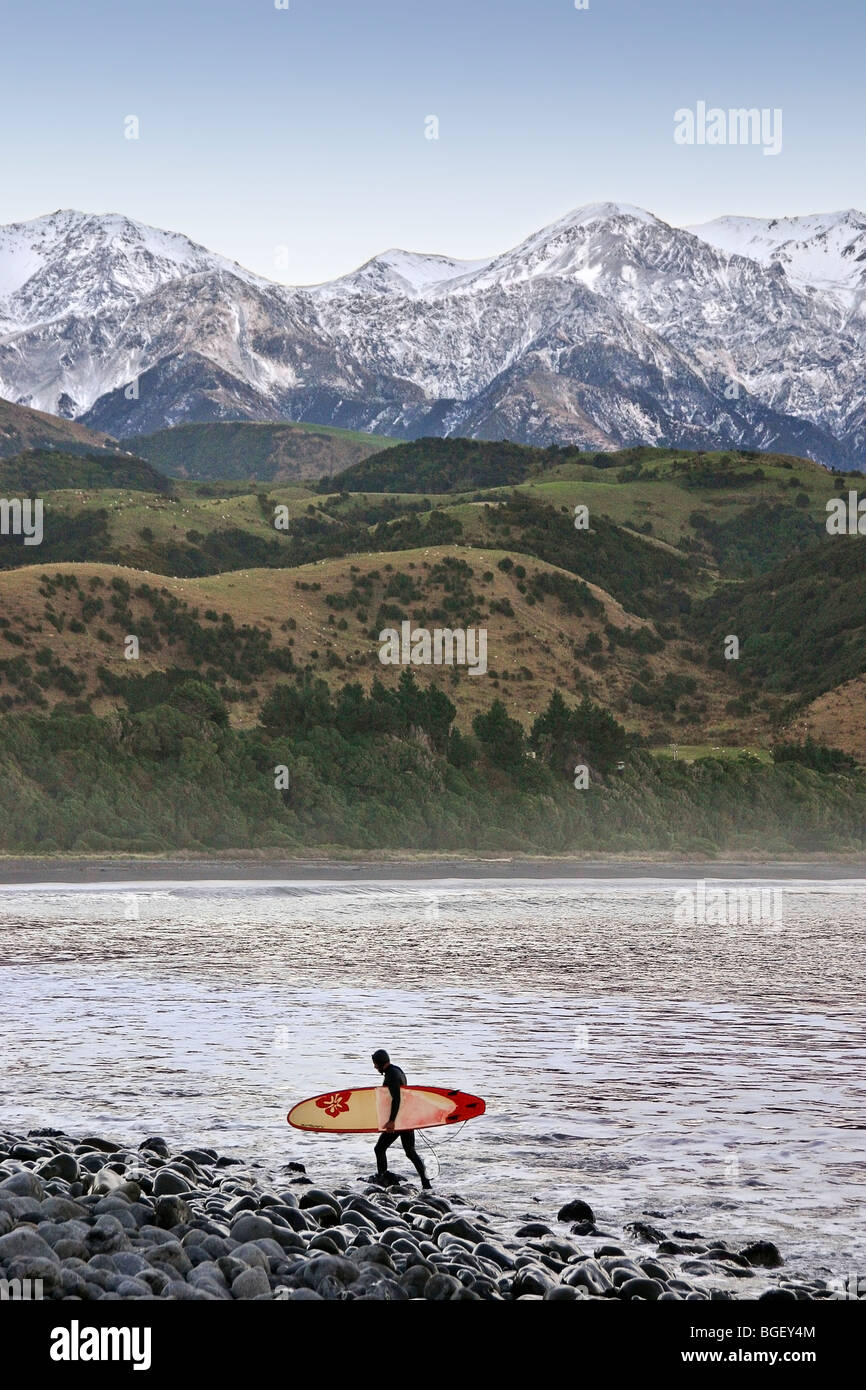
(447, 465)
(52, 470)
(267, 451)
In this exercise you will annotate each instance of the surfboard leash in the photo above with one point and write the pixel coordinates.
(434, 1150)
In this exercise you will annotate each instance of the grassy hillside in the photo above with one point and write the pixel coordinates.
(22, 429)
(675, 513)
(247, 450)
(631, 610)
(547, 630)
(739, 512)
(835, 719)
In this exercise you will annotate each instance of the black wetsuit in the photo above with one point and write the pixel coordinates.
(394, 1077)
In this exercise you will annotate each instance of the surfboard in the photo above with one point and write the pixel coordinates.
(366, 1111)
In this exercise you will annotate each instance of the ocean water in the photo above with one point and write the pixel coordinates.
(710, 1071)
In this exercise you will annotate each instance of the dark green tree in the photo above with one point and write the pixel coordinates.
(501, 737)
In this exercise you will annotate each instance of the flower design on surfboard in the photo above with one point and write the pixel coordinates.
(336, 1104)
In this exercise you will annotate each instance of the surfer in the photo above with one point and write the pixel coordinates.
(394, 1077)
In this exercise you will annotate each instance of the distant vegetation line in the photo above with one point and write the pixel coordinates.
(391, 771)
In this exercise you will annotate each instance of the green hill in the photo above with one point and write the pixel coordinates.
(448, 465)
(802, 627)
(50, 470)
(248, 450)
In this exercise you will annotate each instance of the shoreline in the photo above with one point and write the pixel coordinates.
(259, 865)
(82, 1219)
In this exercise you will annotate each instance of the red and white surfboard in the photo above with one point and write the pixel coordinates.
(366, 1111)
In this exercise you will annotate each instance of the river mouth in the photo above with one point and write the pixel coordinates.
(706, 1068)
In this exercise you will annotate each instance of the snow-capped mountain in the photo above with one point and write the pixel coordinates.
(399, 273)
(826, 251)
(607, 328)
(73, 262)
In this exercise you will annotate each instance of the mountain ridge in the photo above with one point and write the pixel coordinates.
(606, 329)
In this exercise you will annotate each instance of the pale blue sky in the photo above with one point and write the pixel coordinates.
(304, 128)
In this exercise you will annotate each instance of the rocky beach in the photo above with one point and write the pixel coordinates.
(93, 1219)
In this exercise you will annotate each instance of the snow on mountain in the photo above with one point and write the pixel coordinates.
(568, 247)
(607, 327)
(70, 261)
(824, 251)
(398, 272)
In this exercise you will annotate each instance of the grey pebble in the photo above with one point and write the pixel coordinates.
(97, 1220)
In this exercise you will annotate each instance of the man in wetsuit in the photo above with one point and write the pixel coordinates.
(393, 1077)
